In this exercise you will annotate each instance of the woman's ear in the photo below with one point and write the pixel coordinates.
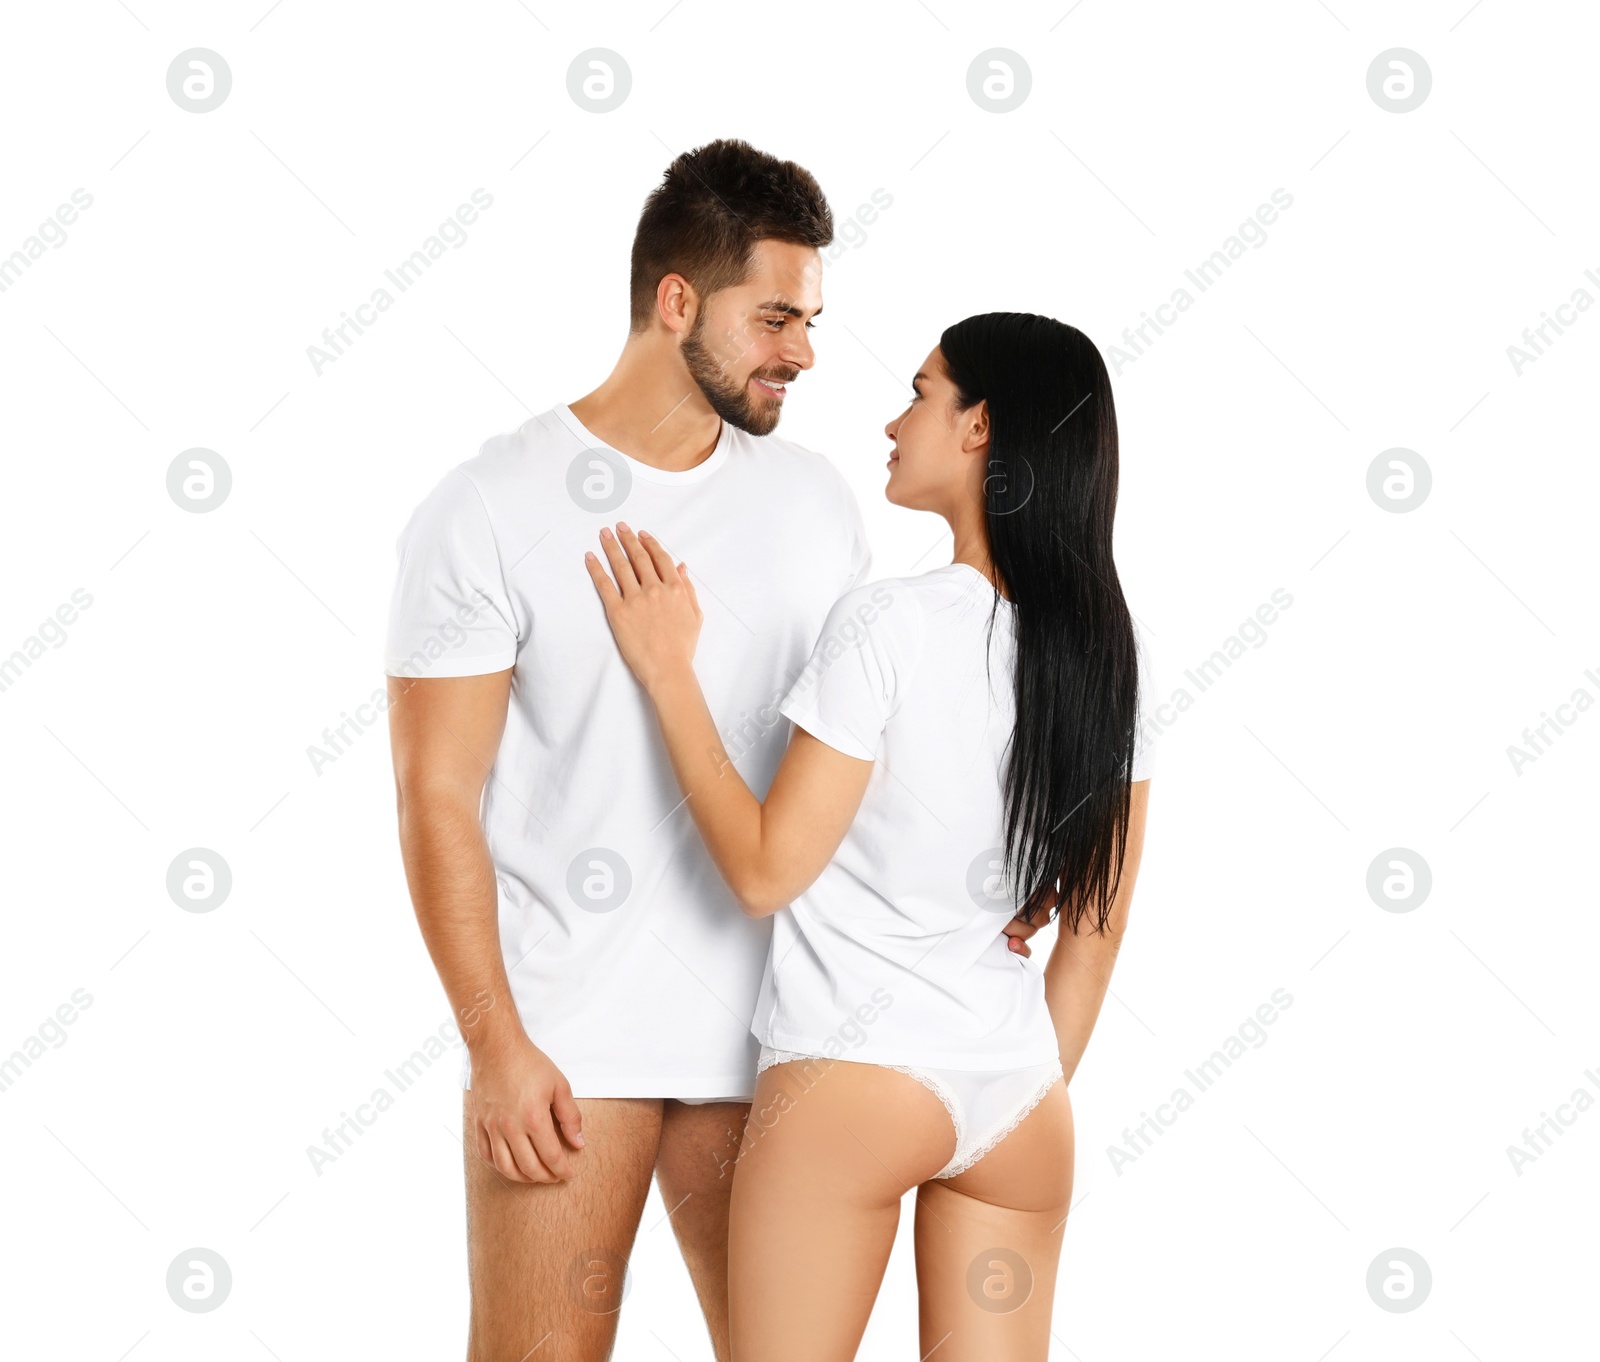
(975, 439)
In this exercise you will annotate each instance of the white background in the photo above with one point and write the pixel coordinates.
(1377, 714)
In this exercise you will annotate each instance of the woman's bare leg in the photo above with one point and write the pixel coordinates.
(829, 1150)
(989, 1240)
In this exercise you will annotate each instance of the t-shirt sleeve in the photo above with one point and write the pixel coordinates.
(450, 614)
(1145, 742)
(848, 689)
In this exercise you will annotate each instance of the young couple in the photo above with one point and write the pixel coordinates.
(756, 834)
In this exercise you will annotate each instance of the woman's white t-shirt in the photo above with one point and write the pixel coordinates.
(896, 954)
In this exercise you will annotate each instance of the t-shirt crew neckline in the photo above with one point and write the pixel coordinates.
(671, 477)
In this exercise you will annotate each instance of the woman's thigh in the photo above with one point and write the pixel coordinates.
(989, 1240)
(828, 1152)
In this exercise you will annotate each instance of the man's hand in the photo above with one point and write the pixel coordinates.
(515, 1089)
(1019, 931)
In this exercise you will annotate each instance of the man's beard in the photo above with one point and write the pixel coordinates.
(730, 400)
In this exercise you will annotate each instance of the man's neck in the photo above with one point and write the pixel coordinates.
(651, 410)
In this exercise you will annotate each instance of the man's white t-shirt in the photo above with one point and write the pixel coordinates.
(896, 954)
(631, 964)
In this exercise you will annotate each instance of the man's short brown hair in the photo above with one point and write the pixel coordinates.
(711, 208)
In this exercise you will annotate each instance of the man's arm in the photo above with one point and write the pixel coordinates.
(1079, 968)
(444, 733)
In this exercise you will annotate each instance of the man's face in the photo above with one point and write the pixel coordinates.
(748, 341)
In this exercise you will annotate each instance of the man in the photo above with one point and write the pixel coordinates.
(603, 976)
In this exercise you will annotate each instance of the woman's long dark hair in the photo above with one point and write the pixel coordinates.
(1049, 499)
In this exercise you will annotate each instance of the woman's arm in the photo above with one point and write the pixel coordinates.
(768, 853)
(1079, 968)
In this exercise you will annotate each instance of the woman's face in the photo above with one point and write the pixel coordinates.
(937, 453)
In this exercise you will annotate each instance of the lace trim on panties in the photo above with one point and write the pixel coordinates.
(959, 1163)
(927, 1080)
(942, 1093)
(954, 1167)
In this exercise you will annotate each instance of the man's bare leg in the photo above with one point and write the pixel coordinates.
(546, 1259)
(694, 1169)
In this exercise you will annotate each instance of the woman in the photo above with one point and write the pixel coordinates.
(965, 749)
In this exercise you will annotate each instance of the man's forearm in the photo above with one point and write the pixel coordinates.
(452, 882)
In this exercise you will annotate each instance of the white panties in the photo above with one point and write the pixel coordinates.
(985, 1105)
